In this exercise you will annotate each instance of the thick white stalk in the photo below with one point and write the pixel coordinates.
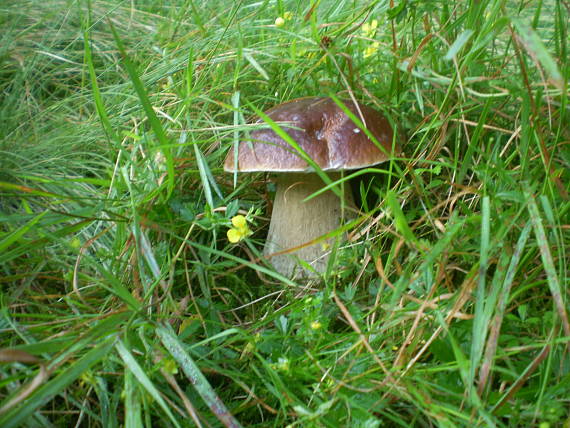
(295, 223)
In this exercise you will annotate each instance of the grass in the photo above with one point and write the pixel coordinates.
(124, 304)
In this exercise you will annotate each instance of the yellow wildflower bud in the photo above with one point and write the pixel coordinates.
(316, 325)
(279, 22)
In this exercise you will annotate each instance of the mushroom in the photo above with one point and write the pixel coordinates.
(334, 142)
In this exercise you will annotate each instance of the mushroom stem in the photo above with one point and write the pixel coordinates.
(295, 222)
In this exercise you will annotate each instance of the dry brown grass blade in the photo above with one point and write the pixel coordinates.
(27, 390)
(418, 51)
(363, 338)
(424, 304)
(556, 289)
(493, 338)
(466, 291)
(9, 355)
(190, 409)
(519, 46)
(521, 381)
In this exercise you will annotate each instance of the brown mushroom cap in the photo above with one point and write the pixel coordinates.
(322, 130)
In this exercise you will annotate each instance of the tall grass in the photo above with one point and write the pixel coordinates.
(123, 303)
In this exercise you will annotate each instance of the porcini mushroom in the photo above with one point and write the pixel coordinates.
(335, 143)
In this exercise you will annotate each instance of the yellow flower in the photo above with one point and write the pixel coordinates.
(239, 221)
(316, 325)
(240, 229)
(280, 21)
(370, 50)
(234, 236)
(369, 29)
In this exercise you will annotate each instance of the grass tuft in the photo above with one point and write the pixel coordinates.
(124, 304)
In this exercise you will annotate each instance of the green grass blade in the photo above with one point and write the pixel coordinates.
(467, 161)
(108, 412)
(400, 220)
(256, 65)
(134, 367)
(21, 231)
(44, 394)
(133, 405)
(236, 106)
(195, 376)
(114, 285)
(30, 191)
(548, 263)
(456, 46)
(155, 124)
(445, 229)
(536, 48)
(480, 320)
(283, 134)
(206, 177)
(501, 306)
(247, 263)
(356, 120)
(99, 105)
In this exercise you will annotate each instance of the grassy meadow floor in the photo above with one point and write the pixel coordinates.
(124, 304)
